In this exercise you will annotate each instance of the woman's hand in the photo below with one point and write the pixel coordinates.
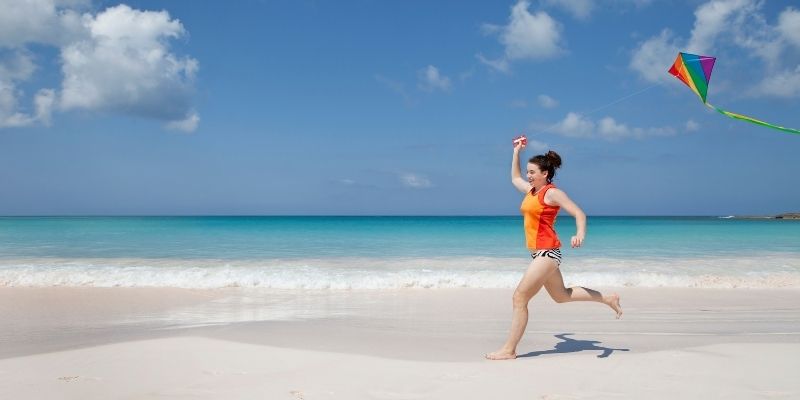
(519, 146)
(577, 241)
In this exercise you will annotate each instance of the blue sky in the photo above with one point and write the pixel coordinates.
(392, 108)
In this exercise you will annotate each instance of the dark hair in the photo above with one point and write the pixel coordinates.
(547, 162)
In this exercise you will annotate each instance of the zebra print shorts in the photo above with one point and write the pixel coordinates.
(555, 254)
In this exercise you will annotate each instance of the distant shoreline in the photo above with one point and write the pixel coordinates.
(779, 216)
(794, 215)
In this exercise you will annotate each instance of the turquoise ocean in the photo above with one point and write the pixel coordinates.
(387, 253)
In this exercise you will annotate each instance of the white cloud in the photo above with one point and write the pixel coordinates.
(547, 101)
(711, 19)
(125, 66)
(692, 126)
(789, 25)
(9, 116)
(528, 36)
(531, 36)
(188, 124)
(499, 64)
(578, 126)
(430, 79)
(728, 25)
(39, 21)
(18, 66)
(574, 125)
(580, 9)
(536, 145)
(117, 60)
(782, 84)
(653, 56)
(610, 129)
(735, 23)
(44, 101)
(415, 181)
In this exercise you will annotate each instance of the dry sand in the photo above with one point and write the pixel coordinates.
(89, 343)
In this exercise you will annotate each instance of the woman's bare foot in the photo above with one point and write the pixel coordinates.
(613, 302)
(500, 355)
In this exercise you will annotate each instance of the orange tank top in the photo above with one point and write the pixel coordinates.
(539, 220)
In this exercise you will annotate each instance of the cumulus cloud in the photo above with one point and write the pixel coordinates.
(782, 84)
(500, 64)
(44, 101)
(610, 129)
(692, 126)
(789, 25)
(188, 124)
(527, 36)
(714, 18)
(52, 22)
(580, 9)
(654, 55)
(574, 125)
(125, 66)
(537, 146)
(546, 101)
(730, 25)
(430, 79)
(578, 126)
(9, 116)
(531, 36)
(415, 181)
(117, 61)
(737, 23)
(18, 66)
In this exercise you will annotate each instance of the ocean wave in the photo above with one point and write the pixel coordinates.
(374, 274)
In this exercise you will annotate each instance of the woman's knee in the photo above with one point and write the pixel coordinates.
(521, 298)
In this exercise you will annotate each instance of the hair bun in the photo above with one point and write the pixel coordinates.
(554, 159)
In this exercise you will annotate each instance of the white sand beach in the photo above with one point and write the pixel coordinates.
(120, 343)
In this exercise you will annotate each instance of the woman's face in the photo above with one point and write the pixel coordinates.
(535, 176)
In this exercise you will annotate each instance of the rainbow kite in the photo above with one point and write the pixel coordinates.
(695, 72)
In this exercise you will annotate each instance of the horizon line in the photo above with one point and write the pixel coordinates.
(369, 215)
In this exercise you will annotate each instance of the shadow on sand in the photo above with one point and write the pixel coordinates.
(573, 346)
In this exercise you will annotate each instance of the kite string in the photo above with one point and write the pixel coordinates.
(618, 100)
(604, 106)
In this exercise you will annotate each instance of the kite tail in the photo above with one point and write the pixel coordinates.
(753, 120)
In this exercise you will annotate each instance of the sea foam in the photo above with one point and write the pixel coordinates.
(382, 274)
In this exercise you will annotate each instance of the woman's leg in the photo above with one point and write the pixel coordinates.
(529, 285)
(561, 294)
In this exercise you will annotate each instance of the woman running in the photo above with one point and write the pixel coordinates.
(539, 209)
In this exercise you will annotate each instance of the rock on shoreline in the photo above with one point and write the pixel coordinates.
(779, 216)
